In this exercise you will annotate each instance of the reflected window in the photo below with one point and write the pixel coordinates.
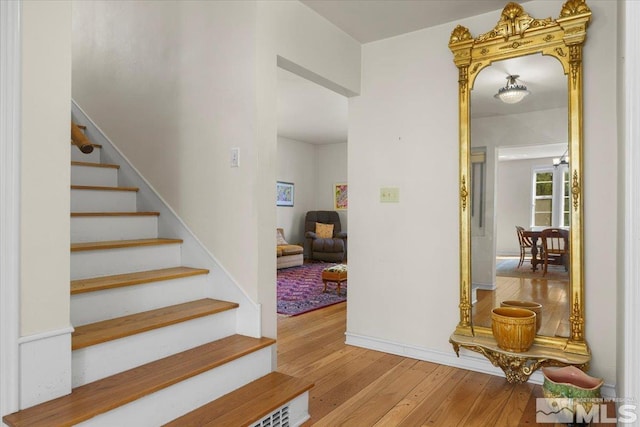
(551, 194)
(478, 191)
(543, 198)
(566, 202)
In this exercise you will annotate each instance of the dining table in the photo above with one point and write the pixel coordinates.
(534, 235)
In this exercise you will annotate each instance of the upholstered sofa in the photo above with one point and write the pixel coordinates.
(287, 255)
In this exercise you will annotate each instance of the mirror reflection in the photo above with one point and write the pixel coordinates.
(520, 188)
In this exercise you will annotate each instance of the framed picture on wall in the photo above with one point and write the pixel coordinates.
(340, 197)
(284, 193)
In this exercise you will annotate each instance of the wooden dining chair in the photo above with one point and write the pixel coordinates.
(525, 244)
(555, 247)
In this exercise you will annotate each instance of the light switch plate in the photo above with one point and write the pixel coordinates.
(235, 157)
(389, 195)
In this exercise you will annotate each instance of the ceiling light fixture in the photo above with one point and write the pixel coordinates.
(512, 93)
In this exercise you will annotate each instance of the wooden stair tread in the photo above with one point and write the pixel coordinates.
(115, 244)
(247, 404)
(129, 279)
(95, 165)
(112, 329)
(79, 214)
(103, 395)
(101, 188)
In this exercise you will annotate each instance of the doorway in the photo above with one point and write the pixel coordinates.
(312, 123)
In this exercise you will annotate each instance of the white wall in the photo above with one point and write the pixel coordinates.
(332, 169)
(403, 262)
(514, 195)
(600, 197)
(159, 81)
(177, 84)
(45, 179)
(404, 269)
(314, 169)
(297, 163)
(44, 202)
(534, 128)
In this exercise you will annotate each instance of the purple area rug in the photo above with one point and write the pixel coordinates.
(300, 289)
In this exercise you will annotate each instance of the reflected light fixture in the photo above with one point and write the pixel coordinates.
(512, 93)
(564, 160)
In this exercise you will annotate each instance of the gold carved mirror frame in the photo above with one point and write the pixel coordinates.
(518, 34)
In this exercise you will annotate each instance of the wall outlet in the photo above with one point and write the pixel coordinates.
(389, 195)
(235, 157)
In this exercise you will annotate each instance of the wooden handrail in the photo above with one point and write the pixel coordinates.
(79, 139)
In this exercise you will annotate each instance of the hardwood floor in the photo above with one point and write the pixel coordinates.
(552, 294)
(359, 387)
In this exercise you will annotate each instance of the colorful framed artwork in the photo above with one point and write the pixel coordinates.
(284, 193)
(340, 197)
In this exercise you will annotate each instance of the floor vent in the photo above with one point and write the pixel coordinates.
(279, 418)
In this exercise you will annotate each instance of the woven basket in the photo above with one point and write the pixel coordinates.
(513, 328)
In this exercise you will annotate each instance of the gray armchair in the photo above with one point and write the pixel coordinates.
(330, 249)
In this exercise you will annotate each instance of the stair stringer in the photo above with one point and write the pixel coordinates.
(220, 283)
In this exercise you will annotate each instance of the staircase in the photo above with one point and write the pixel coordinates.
(150, 346)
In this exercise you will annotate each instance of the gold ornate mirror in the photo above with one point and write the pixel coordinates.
(521, 45)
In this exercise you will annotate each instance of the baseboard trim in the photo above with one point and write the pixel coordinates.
(468, 360)
(484, 286)
(45, 335)
(45, 378)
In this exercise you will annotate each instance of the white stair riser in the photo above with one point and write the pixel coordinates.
(93, 307)
(79, 156)
(96, 229)
(103, 201)
(164, 405)
(101, 360)
(89, 175)
(299, 409)
(97, 263)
